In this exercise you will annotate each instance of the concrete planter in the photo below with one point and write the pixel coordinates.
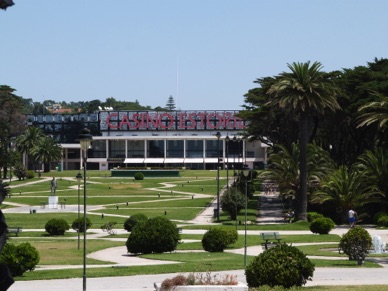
(238, 287)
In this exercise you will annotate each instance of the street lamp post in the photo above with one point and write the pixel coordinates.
(79, 178)
(246, 173)
(227, 161)
(85, 139)
(218, 135)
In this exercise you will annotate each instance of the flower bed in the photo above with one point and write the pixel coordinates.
(238, 287)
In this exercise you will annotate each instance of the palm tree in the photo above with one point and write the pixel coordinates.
(348, 189)
(374, 164)
(306, 91)
(284, 168)
(27, 141)
(375, 111)
(47, 151)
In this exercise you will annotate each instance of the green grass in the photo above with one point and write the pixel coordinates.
(143, 197)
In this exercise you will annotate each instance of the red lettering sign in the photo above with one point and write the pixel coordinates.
(174, 120)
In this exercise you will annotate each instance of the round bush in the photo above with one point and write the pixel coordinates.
(30, 174)
(134, 220)
(282, 265)
(78, 225)
(322, 225)
(356, 243)
(139, 176)
(383, 221)
(56, 226)
(19, 259)
(217, 239)
(377, 216)
(311, 216)
(156, 235)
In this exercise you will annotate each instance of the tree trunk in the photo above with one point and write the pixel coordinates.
(302, 193)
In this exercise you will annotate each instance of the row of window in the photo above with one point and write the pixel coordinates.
(160, 149)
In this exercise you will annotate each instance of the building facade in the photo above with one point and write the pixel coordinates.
(171, 139)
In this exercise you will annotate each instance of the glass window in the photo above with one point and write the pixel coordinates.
(155, 149)
(117, 149)
(175, 149)
(98, 149)
(194, 149)
(135, 149)
(213, 148)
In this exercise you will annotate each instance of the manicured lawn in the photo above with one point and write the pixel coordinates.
(178, 198)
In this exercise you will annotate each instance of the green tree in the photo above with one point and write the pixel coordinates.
(28, 140)
(47, 151)
(12, 123)
(232, 201)
(374, 165)
(376, 113)
(170, 105)
(269, 124)
(348, 189)
(284, 168)
(306, 91)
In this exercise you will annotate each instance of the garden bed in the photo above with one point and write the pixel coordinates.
(238, 287)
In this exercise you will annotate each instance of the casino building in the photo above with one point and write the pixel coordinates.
(168, 139)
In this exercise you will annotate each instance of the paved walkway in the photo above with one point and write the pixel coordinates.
(120, 258)
(270, 209)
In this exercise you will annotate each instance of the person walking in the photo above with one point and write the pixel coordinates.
(352, 218)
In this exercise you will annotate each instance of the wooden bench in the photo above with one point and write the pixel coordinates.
(270, 238)
(15, 230)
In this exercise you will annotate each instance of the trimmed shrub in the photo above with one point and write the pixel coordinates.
(217, 239)
(356, 244)
(134, 220)
(378, 215)
(78, 225)
(311, 216)
(322, 225)
(282, 265)
(383, 221)
(30, 174)
(139, 176)
(56, 226)
(20, 171)
(156, 235)
(232, 202)
(19, 259)
(232, 235)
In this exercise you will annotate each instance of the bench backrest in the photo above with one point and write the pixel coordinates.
(270, 235)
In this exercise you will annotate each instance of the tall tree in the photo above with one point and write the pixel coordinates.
(47, 151)
(12, 123)
(269, 124)
(376, 112)
(28, 140)
(170, 105)
(306, 92)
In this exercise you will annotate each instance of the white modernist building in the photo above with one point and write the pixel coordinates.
(170, 139)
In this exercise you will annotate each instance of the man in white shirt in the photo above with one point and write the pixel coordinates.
(352, 218)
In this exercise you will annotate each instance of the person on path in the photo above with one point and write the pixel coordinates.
(352, 218)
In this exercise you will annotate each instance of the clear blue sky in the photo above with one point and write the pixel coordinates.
(205, 53)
